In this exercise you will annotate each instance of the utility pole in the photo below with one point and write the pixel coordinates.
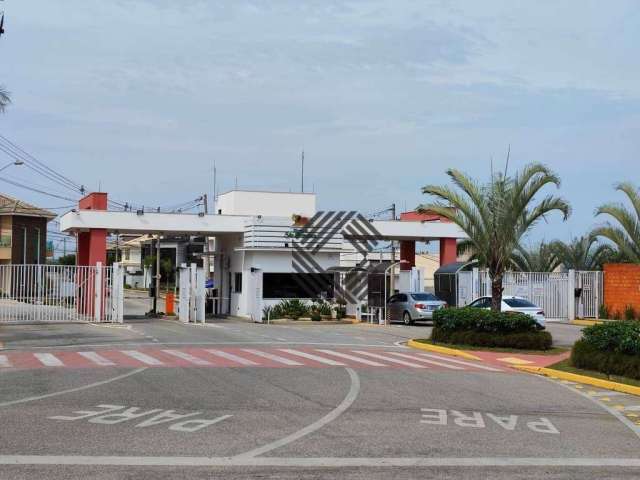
(213, 202)
(302, 174)
(392, 280)
(205, 260)
(64, 246)
(157, 276)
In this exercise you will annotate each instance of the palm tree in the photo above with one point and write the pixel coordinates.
(582, 253)
(496, 216)
(539, 258)
(5, 99)
(626, 234)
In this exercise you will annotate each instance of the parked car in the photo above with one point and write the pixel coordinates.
(511, 303)
(412, 306)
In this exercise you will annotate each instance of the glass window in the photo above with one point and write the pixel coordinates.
(425, 297)
(519, 303)
(237, 282)
(484, 302)
(393, 298)
(402, 297)
(297, 285)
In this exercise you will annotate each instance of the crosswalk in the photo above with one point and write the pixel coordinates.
(379, 358)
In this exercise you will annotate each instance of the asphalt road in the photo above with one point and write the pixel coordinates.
(157, 399)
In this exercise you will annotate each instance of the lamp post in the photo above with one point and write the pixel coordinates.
(16, 162)
(401, 262)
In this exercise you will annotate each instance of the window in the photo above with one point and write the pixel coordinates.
(297, 285)
(424, 297)
(484, 302)
(519, 303)
(393, 299)
(237, 282)
(126, 254)
(402, 297)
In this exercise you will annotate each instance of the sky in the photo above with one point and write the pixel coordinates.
(140, 97)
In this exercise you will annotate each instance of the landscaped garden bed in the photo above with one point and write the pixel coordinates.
(485, 328)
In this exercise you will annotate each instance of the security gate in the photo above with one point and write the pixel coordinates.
(191, 302)
(59, 293)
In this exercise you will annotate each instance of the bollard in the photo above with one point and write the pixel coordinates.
(169, 304)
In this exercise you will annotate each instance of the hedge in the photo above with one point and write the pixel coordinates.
(485, 328)
(587, 356)
(619, 337)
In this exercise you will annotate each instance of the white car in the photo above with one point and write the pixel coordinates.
(511, 303)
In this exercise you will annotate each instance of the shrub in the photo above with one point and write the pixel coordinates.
(617, 337)
(341, 312)
(616, 315)
(322, 307)
(293, 308)
(588, 356)
(480, 320)
(315, 316)
(603, 311)
(629, 313)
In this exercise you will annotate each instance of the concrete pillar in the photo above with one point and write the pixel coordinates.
(448, 251)
(92, 245)
(407, 253)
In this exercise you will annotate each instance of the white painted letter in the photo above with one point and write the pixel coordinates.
(475, 420)
(543, 426)
(508, 423)
(197, 424)
(128, 414)
(433, 416)
(164, 417)
(90, 413)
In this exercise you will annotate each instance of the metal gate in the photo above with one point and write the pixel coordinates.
(191, 300)
(59, 293)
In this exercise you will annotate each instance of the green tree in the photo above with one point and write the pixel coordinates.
(495, 216)
(624, 232)
(538, 258)
(582, 253)
(69, 259)
(5, 99)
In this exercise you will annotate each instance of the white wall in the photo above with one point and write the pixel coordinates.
(276, 204)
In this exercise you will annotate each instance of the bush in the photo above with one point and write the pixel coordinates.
(484, 328)
(316, 317)
(603, 311)
(629, 313)
(588, 356)
(480, 320)
(617, 337)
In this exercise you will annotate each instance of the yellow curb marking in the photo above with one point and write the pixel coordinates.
(605, 399)
(619, 407)
(444, 350)
(515, 360)
(632, 415)
(578, 386)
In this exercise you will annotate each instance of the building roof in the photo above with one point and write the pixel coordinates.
(13, 206)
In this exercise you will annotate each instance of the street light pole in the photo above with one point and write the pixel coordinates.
(385, 285)
(17, 163)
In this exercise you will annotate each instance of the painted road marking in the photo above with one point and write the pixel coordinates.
(49, 360)
(459, 362)
(315, 358)
(96, 358)
(142, 357)
(433, 362)
(353, 358)
(436, 416)
(188, 357)
(606, 393)
(389, 359)
(4, 362)
(515, 361)
(275, 358)
(632, 408)
(232, 357)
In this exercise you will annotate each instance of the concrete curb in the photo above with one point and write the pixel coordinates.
(438, 349)
(585, 323)
(574, 377)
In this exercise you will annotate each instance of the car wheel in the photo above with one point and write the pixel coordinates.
(406, 318)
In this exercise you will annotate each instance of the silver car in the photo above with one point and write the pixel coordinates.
(412, 306)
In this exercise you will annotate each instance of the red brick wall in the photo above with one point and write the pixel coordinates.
(621, 287)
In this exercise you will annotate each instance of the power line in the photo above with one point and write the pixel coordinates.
(17, 184)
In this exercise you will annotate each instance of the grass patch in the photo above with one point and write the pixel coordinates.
(565, 366)
(551, 351)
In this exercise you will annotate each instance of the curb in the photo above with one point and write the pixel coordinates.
(586, 323)
(445, 350)
(574, 377)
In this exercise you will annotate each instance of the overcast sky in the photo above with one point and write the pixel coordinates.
(142, 96)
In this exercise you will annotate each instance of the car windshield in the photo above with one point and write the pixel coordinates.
(425, 297)
(519, 303)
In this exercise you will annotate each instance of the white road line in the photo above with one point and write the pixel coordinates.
(353, 358)
(433, 362)
(232, 357)
(632, 408)
(607, 394)
(275, 358)
(389, 359)
(315, 358)
(96, 358)
(4, 362)
(459, 362)
(49, 359)
(189, 358)
(142, 357)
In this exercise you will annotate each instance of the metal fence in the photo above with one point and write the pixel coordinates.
(562, 295)
(57, 293)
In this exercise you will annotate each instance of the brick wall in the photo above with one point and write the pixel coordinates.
(621, 287)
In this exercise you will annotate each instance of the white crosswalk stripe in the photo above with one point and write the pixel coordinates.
(96, 358)
(142, 357)
(432, 362)
(49, 359)
(606, 394)
(389, 359)
(232, 357)
(353, 358)
(459, 362)
(4, 362)
(315, 358)
(188, 357)
(275, 358)
(632, 408)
